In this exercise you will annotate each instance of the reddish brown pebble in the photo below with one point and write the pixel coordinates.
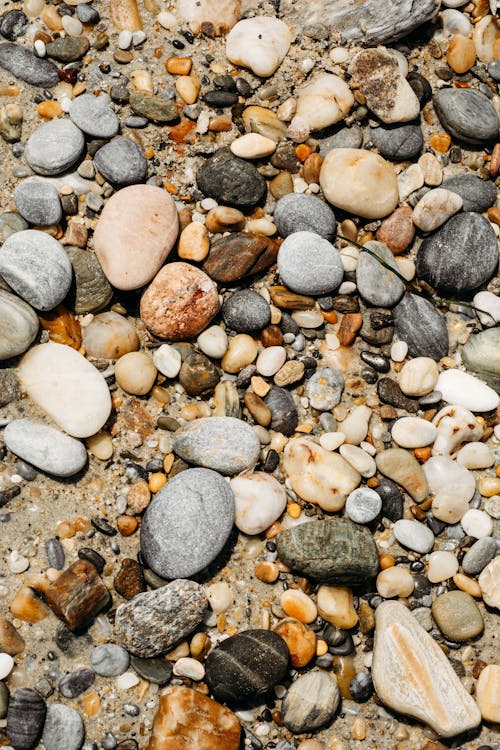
(311, 168)
(271, 336)
(10, 641)
(126, 525)
(300, 639)
(350, 325)
(398, 230)
(239, 255)
(283, 297)
(129, 581)
(78, 595)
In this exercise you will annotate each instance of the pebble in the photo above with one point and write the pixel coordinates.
(167, 360)
(188, 667)
(27, 66)
(259, 43)
(457, 616)
(284, 415)
(395, 581)
(25, 718)
(410, 180)
(54, 147)
(246, 665)
(359, 459)
(442, 565)
(477, 523)
(436, 207)
(455, 425)
(38, 203)
(467, 115)
(363, 505)
(359, 182)
(35, 265)
(489, 583)
(398, 143)
(154, 108)
(231, 181)
(94, 116)
(259, 500)
(213, 342)
(77, 595)
(401, 466)
(241, 352)
(301, 251)
(324, 102)
(464, 389)
(45, 447)
(270, 360)
(50, 373)
(236, 256)
(398, 230)
(324, 388)
(121, 162)
(11, 222)
(158, 671)
(135, 373)
(155, 621)
(109, 336)
(6, 665)
(63, 728)
(413, 432)
(414, 535)
(351, 137)
(297, 212)
(444, 474)
(310, 702)
(74, 684)
(487, 690)
(424, 329)
(481, 353)
(377, 284)
(246, 311)
(298, 604)
(109, 660)
(479, 555)
(253, 146)
(477, 194)
(18, 325)
(418, 376)
(68, 49)
(188, 522)
(224, 444)
(489, 303)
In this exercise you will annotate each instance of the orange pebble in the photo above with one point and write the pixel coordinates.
(156, 481)
(49, 109)
(294, 510)
(91, 703)
(273, 530)
(422, 454)
(82, 524)
(267, 572)
(180, 66)
(302, 152)
(65, 529)
(127, 525)
(440, 142)
(330, 316)
(386, 561)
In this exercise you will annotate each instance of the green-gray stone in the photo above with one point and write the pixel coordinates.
(481, 354)
(333, 551)
(154, 107)
(90, 291)
(457, 616)
(68, 48)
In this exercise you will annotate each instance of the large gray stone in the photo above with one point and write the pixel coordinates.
(377, 284)
(18, 325)
(122, 162)
(63, 729)
(309, 264)
(477, 194)
(54, 147)
(45, 447)
(23, 64)
(94, 116)
(467, 115)
(38, 202)
(297, 212)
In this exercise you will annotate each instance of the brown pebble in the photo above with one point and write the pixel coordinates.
(494, 215)
(27, 606)
(271, 336)
(366, 617)
(311, 168)
(345, 671)
(224, 219)
(349, 326)
(180, 66)
(281, 185)
(291, 372)
(257, 408)
(388, 412)
(267, 571)
(398, 230)
(284, 298)
(78, 595)
(495, 160)
(125, 15)
(129, 581)
(461, 53)
(122, 56)
(300, 639)
(138, 497)
(76, 234)
(11, 642)
(237, 256)
(126, 525)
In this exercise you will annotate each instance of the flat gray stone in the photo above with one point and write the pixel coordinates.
(18, 325)
(309, 264)
(479, 555)
(398, 143)
(422, 327)
(457, 616)
(351, 137)
(310, 702)
(26, 66)
(297, 212)
(122, 162)
(377, 284)
(109, 660)
(38, 203)
(467, 115)
(224, 444)
(94, 116)
(363, 505)
(54, 147)
(477, 194)
(45, 447)
(414, 535)
(63, 729)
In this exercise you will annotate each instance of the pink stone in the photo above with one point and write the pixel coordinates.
(397, 231)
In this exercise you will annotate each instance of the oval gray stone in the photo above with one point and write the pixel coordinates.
(477, 194)
(225, 444)
(399, 143)
(35, 265)
(363, 505)
(467, 115)
(377, 284)
(45, 447)
(94, 116)
(481, 353)
(422, 327)
(414, 535)
(54, 147)
(63, 729)
(109, 660)
(309, 264)
(18, 325)
(232, 181)
(38, 202)
(26, 66)
(310, 702)
(351, 137)
(284, 415)
(479, 555)
(246, 311)
(122, 162)
(91, 291)
(297, 212)
(187, 524)
(324, 388)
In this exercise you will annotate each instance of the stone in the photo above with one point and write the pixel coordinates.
(13, 24)
(109, 336)
(35, 265)
(45, 447)
(476, 455)
(331, 551)
(158, 671)
(463, 389)
(436, 207)
(11, 222)
(246, 665)
(414, 535)
(445, 475)
(236, 256)
(298, 212)
(135, 373)
(403, 468)
(259, 43)
(109, 660)
(77, 595)
(351, 137)
(18, 325)
(94, 116)
(68, 49)
(50, 373)
(413, 432)
(324, 101)
(253, 146)
(489, 583)
(38, 203)
(457, 616)
(477, 194)
(224, 444)
(27, 66)
(395, 581)
(418, 376)
(231, 181)
(187, 523)
(479, 555)
(376, 283)
(284, 415)
(154, 108)
(198, 374)
(63, 728)
(25, 718)
(121, 162)
(359, 182)
(455, 425)
(155, 621)
(412, 675)
(487, 691)
(424, 329)
(300, 256)
(54, 147)
(410, 180)
(246, 311)
(335, 605)
(259, 500)
(467, 115)
(138, 211)
(11, 641)
(477, 523)
(392, 499)
(241, 352)
(461, 256)
(398, 142)
(481, 354)
(310, 702)
(324, 388)
(129, 580)
(488, 308)
(180, 302)
(363, 505)
(188, 719)
(74, 684)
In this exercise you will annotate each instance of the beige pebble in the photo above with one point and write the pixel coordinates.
(100, 445)
(135, 373)
(188, 88)
(355, 426)
(324, 101)
(433, 172)
(299, 605)
(395, 581)
(194, 242)
(330, 441)
(261, 226)
(486, 36)
(241, 352)
(358, 728)
(142, 80)
(308, 318)
(186, 666)
(253, 146)
(442, 565)
(436, 207)
(461, 53)
(447, 507)
(335, 605)
(489, 486)
(489, 581)
(488, 693)
(109, 336)
(476, 455)
(220, 596)
(418, 376)
(359, 459)
(469, 585)
(259, 43)
(224, 219)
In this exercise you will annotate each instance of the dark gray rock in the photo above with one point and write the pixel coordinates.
(392, 499)
(310, 702)
(284, 415)
(4, 700)
(68, 49)
(122, 162)
(158, 671)
(26, 66)
(64, 728)
(231, 181)
(94, 116)
(479, 555)
(422, 327)
(18, 325)
(12, 24)
(224, 444)
(76, 683)
(87, 14)
(467, 115)
(90, 291)
(477, 194)
(54, 147)
(45, 447)
(25, 718)
(54, 552)
(309, 264)
(38, 202)
(377, 284)
(246, 311)
(297, 212)
(398, 143)
(494, 70)
(344, 138)
(390, 393)
(109, 660)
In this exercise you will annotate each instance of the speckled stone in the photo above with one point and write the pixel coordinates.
(121, 162)
(467, 115)
(187, 524)
(64, 728)
(74, 684)
(54, 147)
(38, 202)
(477, 194)
(310, 702)
(90, 291)
(24, 64)
(231, 181)
(10, 223)
(309, 264)
(9, 386)
(457, 616)
(68, 48)
(109, 660)
(94, 116)
(324, 388)
(45, 447)
(363, 505)
(224, 444)
(25, 719)
(422, 327)
(479, 555)
(238, 255)
(376, 284)
(246, 311)
(297, 212)
(351, 137)
(18, 325)
(398, 143)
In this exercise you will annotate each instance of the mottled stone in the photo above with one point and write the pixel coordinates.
(45, 447)
(239, 255)
(477, 194)
(467, 114)
(38, 202)
(77, 595)
(9, 386)
(198, 374)
(403, 468)
(109, 660)
(246, 311)
(76, 683)
(68, 49)
(399, 142)
(24, 64)
(91, 291)
(481, 354)
(224, 444)
(54, 147)
(63, 729)
(422, 327)
(129, 580)
(231, 181)
(310, 702)
(155, 108)
(304, 213)
(122, 162)
(457, 616)
(324, 388)
(18, 325)
(25, 719)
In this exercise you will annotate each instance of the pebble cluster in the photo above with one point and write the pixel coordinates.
(250, 375)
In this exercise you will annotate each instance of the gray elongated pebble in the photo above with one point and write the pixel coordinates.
(376, 283)
(122, 162)
(64, 728)
(309, 264)
(297, 212)
(477, 194)
(54, 147)
(94, 116)
(35, 265)
(187, 524)
(25, 718)
(479, 555)
(398, 143)
(23, 64)
(153, 622)
(109, 660)
(225, 444)
(284, 415)
(38, 202)
(45, 447)
(310, 702)
(467, 115)
(18, 325)
(419, 324)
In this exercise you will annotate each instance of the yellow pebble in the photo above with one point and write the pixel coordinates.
(156, 481)
(294, 510)
(321, 647)
(469, 585)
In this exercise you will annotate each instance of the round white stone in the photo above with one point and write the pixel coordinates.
(476, 456)
(413, 432)
(213, 342)
(259, 499)
(167, 360)
(444, 474)
(477, 523)
(6, 665)
(253, 146)
(414, 535)
(399, 350)
(186, 666)
(363, 505)
(331, 440)
(324, 101)
(461, 388)
(488, 305)
(442, 565)
(270, 360)
(259, 43)
(418, 376)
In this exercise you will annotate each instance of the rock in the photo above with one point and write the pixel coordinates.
(413, 432)
(436, 207)
(324, 101)
(422, 327)
(121, 162)
(50, 373)
(154, 622)
(359, 182)
(180, 302)
(142, 211)
(38, 203)
(363, 505)
(11, 222)
(398, 143)
(91, 290)
(479, 555)
(110, 336)
(18, 325)
(224, 444)
(359, 459)
(231, 181)
(236, 256)
(487, 689)
(198, 374)
(27, 66)
(467, 115)
(332, 551)
(259, 43)
(284, 415)
(77, 595)
(300, 256)
(457, 616)
(414, 535)
(403, 468)
(13, 24)
(392, 499)
(395, 581)
(418, 376)
(488, 305)
(376, 284)
(54, 147)
(463, 389)
(246, 311)
(335, 605)
(74, 684)
(489, 583)
(9, 386)
(461, 256)
(136, 373)
(351, 137)
(388, 94)
(319, 476)
(461, 53)
(324, 388)
(35, 265)
(217, 16)
(390, 393)
(246, 665)
(109, 660)
(377, 328)
(259, 500)
(241, 352)
(298, 212)
(455, 425)
(213, 342)
(188, 719)
(252, 146)
(11, 641)
(410, 180)
(187, 524)
(63, 729)
(45, 447)
(481, 353)
(446, 476)
(158, 671)
(155, 108)
(129, 580)
(477, 194)
(25, 716)
(94, 116)
(412, 675)
(68, 49)
(310, 702)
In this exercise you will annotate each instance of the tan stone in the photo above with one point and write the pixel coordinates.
(489, 580)
(398, 230)
(225, 219)
(461, 53)
(241, 352)
(109, 336)
(324, 101)
(335, 605)
(488, 693)
(188, 88)
(300, 639)
(11, 642)
(299, 605)
(194, 242)
(210, 15)
(135, 372)
(403, 468)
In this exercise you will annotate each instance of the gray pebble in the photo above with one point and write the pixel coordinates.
(424, 329)
(38, 202)
(18, 325)
(10, 223)
(158, 671)
(284, 415)
(109, 660)
(297, 212)
(414, 535)
(467, 115)
(231, 181)
(122, 162)
(91, 291)
(55, 553)
(24, 64)
(309, 264)
(76, 683)
(494, 69)
(87, 14)
(477, 194)
(54, 147)
(363, 505)
(344, 138)
(398, 143)
(9, 382)
(376, 283)
(63, 729)
(481, 353)
(13, 24)
(246, 311)
(479, 555)
(324, 388)
(224, 444)
(4, 700)
(94, 116)
(310, 702)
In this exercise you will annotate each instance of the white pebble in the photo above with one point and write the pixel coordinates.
(455, 22)
(220, 595)
(124, 39)
(339, 54)
(332, 341)
(127, 680)
(461, 388)
(167, 20)
(477, 523)
(414, 535)
(476, 455)
(6, 665)
(330, 441)
(413, 432)
(186, 666)
(395, 581)
(208, 204)
(442, 565)
(167, 360)
(359, 459)
(40, 48)
(270, 360)
(18, 563)
(399, 350)
(72, 25)
(253, 146)
(213, 342)
(308, 318)
(347, 287)
(490, 303)
(138, 37)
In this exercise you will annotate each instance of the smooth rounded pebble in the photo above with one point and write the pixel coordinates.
(363, 505)
(259, 43)
(457, 387)
(297, 212)
(246, 311)
(376, 283)
(121, 162)
(94, 116)
(64, 728)
(467, 115)
(38, 202)
(54, 147)
(109, 336)
(414, 535)
(45, 447)
(224, 444)
(259, 500)
(309, 264)
(310, 702)
(18, 325)
(109, 660)
(324, 101)
(413, 432)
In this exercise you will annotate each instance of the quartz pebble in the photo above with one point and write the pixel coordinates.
(135, 373)
(489, 583)
(259, 500)
(413, 432)
(477, 523)
(395, 581)
(418, 376)
(259, 43)
(436, 207)
(445, 475)
(403, 468)
(324, 101)
(487, 689)
(253, 146)
(213, 342)
(335, 605)
(110, 336)
(442, 565)
(363, 505)
(45, 447)
(461, 388)
(414, 535)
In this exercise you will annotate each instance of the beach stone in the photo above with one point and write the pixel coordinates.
(63, 729)
(27, 66)
(10, 223)
(351, 137)
(477, 194)
(50, 373)
(259, 499)
(377, 328)
(246, 665)
(488, 305)
(74, 684)
(418, 376)
(324, 388)
(154, 108)
(9, 386)
(403, 468)
(231, 181)
(38, 202)
(77, 596)
(121, 162)
(180, 302)
(392, 499)
(284, 415)
(25, 718)
(35, 265)
(376, 284)
(466, 390)
(436, 207)
(414, 535)
(481, 353)
(324, 101)
(331, 551)
(300, 256)
(187, 523)
(395, 581)
(467, 115)
(445, 475)
(246, 311)
(138, 211)
(489, 583)
(13, 24)
(239, 255)
(109, 660)
(487, 690)
(45, 447)
(363, 505)
(54, 147)
(398, 143)
(155, 621)
(310, 702)
(457, 616)
(158, 671)
(110, 336)
(479, 555)
(224, 444)
(259, 43)
(18, 325)
(68, 49)
(461, 256)
(412, 675)
(198, 374)
(419, 324)
(297, 212)
(359, 182)
(94, 116)
(413, 432)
